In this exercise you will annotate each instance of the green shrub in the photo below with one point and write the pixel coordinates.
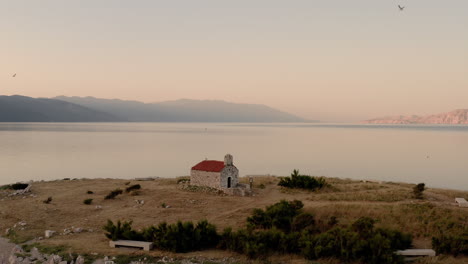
(279, 215)
(19, 186)
(88, 201)
(418, 190)
(183, 180)
(113, 194)
(179, 237)
(281, 228)
(89, 192)
(48, 200)
(133, 187)
(302, 181)
(451, 244)
(303, 221)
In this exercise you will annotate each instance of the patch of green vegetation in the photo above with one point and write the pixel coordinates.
(48, 200)
(89, 259)
(302, 182)
(19, 186)
(16, 238)
(418, 190)
(183, 179)
(282, 228)
(125, 259)
(5, 187)
(88, 201)
(22, 255)
(113, 194)
(133, 187)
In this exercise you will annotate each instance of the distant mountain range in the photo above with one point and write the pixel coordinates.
(18, 108)
(459, 116)
(89, 109)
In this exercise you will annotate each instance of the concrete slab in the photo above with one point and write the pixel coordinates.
(147, 246)
(417, 253)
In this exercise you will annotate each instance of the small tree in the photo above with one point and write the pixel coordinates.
(418, 190)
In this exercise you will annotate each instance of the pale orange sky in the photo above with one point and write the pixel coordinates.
(333, 61)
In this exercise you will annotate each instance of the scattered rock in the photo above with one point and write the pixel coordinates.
(36, 255)
(77, 230)
(49, 233)
(80, 260)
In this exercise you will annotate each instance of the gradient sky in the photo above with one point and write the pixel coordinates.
(329, 60)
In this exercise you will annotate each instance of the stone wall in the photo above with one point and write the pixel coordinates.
(205, 178)
(229, 171)
(239, 190)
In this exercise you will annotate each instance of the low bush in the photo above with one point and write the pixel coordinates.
(19, 186)
(183, 180)
(133, 187)
(179, 237)
(113, 194)
(455, 245)
(281, 228)
(89, 192)
(302, 181)
(418, 190)
(48, 200)
(279, 215)
(88, 201)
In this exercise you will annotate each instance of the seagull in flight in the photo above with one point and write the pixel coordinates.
(401, 7)
(14, 75)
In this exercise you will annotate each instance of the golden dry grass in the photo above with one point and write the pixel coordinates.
(390, 203)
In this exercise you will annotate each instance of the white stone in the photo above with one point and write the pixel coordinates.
(77, 230)
(49, 233)
(80, 260)
(461, 202)
(36, 255)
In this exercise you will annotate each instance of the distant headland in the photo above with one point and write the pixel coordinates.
(456, 117)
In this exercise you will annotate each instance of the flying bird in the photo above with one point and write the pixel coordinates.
(14, 75)
(401, 7)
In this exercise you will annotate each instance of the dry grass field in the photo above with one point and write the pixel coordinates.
(390, 203)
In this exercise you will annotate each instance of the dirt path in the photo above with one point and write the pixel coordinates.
(5, 250)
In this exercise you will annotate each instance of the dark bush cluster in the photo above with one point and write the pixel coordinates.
(133, 187)
(360, 241)
(302, 181)
(88, 201)
(48, 200)
(179, 237)
(451, 244)
(113, 194)
(418, 190)
(280, 228)
(19, 186)
(284, 228)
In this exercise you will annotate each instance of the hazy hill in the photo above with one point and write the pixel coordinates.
(18, 108)
(459, 116)
(184, 110)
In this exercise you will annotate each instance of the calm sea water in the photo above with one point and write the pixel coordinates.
(435, 155)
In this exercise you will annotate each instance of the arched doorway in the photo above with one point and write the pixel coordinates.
(229, 182)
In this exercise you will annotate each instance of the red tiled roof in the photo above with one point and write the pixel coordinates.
(209, 165)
